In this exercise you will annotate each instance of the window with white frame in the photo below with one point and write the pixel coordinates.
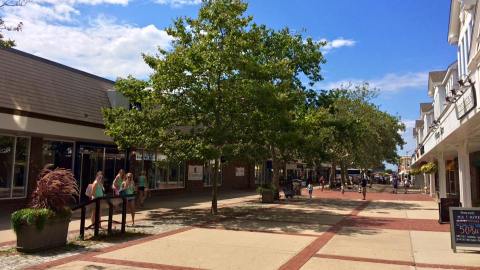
(14, 157)
(208, 170)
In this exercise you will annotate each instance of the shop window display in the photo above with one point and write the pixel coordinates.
(14, 155)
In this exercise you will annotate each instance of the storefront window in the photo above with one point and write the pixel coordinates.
(208, 170)
(92, 158)
(58, 153)
(452, 178)
(14, 152)
(160, 172)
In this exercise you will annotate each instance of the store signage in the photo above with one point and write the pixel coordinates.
(195, 172)
(439, 133)
(239, 171)
(464, 227)
(465, 103)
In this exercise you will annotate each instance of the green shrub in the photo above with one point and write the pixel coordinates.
(37, 217)
(266, 188)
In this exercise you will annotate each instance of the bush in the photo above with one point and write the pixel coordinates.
(37, 217)
(55, 190)
(266, 188)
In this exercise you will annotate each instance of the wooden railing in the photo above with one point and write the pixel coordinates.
(97, 201)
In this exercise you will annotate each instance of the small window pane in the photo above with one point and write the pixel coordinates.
(6, 163)
(20, 172)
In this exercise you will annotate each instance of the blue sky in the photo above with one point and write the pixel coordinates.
(392, 44)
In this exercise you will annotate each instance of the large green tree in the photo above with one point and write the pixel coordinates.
(284, 64)
(201, 102)
(356, 132)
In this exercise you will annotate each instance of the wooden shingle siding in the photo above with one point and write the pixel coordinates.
(36, 85)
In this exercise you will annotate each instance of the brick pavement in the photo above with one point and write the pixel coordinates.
(332, 231)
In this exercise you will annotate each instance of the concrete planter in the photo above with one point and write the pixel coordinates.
(267, 196)
(53, 235)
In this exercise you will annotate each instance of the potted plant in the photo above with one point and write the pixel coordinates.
(45, 224)
(428, 168)
(267, 192)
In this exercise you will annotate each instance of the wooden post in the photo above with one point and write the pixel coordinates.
(124, 214)
(82, 223)
(97, 217)
(110, 216)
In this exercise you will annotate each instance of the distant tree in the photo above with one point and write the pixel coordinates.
(4, 26)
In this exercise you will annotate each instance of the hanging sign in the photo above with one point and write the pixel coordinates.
(195, 172)
(465, 103)
(239, 171)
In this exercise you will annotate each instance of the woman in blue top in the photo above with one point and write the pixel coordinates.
(97, 192)
(129, 188)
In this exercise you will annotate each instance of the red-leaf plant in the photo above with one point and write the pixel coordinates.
(56, 189)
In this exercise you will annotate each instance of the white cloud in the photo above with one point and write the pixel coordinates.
(102, 46)
(391, 82)
(337, 43)
(178, 3)
(407, 136)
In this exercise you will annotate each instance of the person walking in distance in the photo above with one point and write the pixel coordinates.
(406, 184)
(395, 184)
(142, 183)
(310, 190)
(322, 183)
(118, 181)
(364, 183)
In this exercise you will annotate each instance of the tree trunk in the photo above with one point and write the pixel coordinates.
(343, 170)
(214, 209)
(275, 176)
(333, 174)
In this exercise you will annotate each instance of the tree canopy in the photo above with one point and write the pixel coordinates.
(231, 89)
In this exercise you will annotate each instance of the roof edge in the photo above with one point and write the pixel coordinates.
(56, 64)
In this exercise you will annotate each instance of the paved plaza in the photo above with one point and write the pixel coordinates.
(331, 231)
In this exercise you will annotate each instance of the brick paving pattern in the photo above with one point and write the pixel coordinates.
(331, 231)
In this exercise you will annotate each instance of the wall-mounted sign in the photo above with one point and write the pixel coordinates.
(439, 133)
(465, 227)
(465, 103)
(195, 172)
(239, 171)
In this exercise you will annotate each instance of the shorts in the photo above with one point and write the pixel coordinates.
(141, 188)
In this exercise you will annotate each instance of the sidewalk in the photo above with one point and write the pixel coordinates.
(344, 232)
(157, 203)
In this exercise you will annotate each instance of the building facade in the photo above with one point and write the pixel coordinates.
(52, 114)
(448, 131)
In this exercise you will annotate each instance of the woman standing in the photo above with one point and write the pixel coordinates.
(129, 188)
(117, 183)
(97, 191)
(142, 183)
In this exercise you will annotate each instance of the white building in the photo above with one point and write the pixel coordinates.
(448, 131)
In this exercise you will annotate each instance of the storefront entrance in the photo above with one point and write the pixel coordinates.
(451, 168)
(92, 158)
(475, 178)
